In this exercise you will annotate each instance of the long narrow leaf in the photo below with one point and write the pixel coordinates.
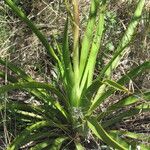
(123, 80)
(25, 134)
(109, 68)
(56, 145)
(66, 56)
(9, 77)
(21, 73)
(116, 85)
(89, 70)
(39, 136)
(23, 76)
(38, 93)
(134, 73)
(30, 85)
(139, 136)
(130, 100)
(127, 114)
(33, 27)
(79, 146)
(41, 145)
(16, 70)
(86, 42)
(104, 95)
(33, 85)
(130, 135)
(98, 130)
(126, 39)
(24, 109)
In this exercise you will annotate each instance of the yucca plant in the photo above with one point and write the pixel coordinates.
(65, 117)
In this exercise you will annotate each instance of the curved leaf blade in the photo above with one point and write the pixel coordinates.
(79, 146)
(126, 39)
(127, 114)
(116, 86)
(25, 134)
(130, 100)
(122, 136)
(123, 80)
(36, 85)
(88, 35)
(41, 37)
(41, 145)
(56, 145)
(98, 130)
(66, 57)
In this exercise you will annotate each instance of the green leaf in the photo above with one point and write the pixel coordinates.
(26, 77)
(24, 110)
(130, 100)
(98, 130)
(41, 37)
(130, 135)
(29, 85)
(116, 85)
(88, 35)
(66, 57)
(111, 83)
(56, 145)
(133, 73)
(25, 134)
(23, 76)
(41, 94)
(50, 144)
(9, 77)
(91, 90)
(41, 145)
(139, 136)
(39, 137)
(89, 68)
(126, 39)
(126, 114)
(22, 106)
(118, 138)
(96, 103)
(79, 146)
(16, 70)
(35, 85)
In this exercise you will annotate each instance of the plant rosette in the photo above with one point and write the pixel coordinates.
(65, 116)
